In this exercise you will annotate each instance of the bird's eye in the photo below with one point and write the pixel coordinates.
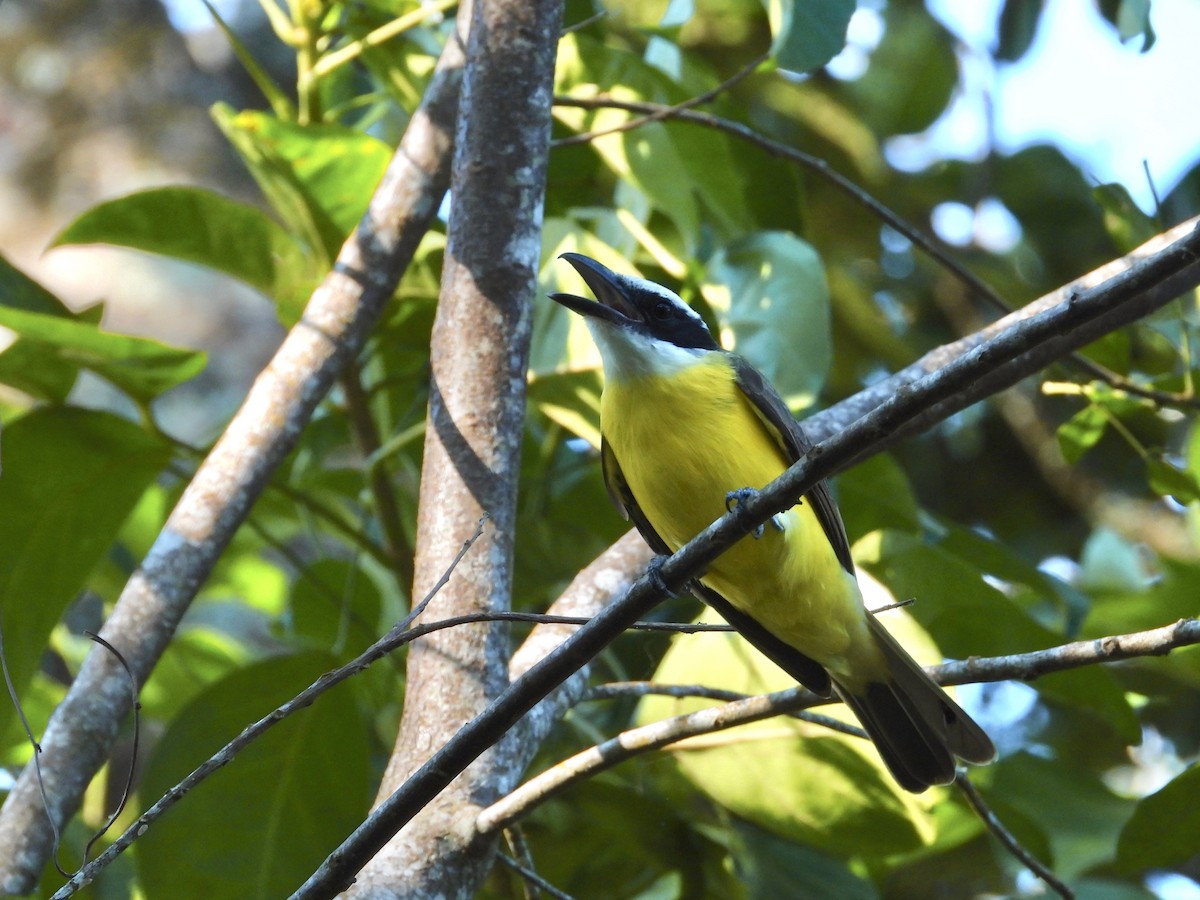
(663, 310)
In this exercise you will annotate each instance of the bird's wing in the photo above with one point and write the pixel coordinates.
(795, 443)
(808, 672)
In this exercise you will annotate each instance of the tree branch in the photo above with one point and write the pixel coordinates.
(1004, 357)
(332, 331)
(479, 357)
(742, 710)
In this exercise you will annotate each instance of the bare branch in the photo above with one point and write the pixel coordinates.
(331, 332)
(664, 111)
(993, 824)
(742, 710)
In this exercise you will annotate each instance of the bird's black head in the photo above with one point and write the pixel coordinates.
(629, 302)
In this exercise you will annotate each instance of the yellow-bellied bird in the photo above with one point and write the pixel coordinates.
(689, 430)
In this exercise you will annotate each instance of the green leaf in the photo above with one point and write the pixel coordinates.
(319, 178)
(1168, 480)
(916, 49)
(280, 104)
(71, 477)
(797, 780)
(773, 867)
(1124, 220)
(876, 494)
(1018, 25)
(201, 227)
(770, 296)
(807, 33)
(1161, 833)
(284, 803)
(1081, 432)
(1081, 817)
(1130, 18)
(141, 367)
(19, 291)
(969, 617)
(37, 370)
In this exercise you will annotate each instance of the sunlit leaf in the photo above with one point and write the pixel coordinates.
(801, 781)
(141, 367)
(1081, 432)
(1168, 480)
(770, 295)
(201, 227)
(807, 33)
(1124, 219)
(319, 178)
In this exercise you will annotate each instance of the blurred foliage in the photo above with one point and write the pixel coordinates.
(1003, 552)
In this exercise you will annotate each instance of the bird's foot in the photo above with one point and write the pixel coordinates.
(654, 573)
(734, 499)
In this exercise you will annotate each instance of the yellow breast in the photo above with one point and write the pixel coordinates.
(685, 440)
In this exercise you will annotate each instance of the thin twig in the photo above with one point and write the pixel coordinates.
(1008, 839)
(399, 635)
(366, 435)
(37, 752)
(742, 710)
(533, 877)
(665, 112)
(134, 690)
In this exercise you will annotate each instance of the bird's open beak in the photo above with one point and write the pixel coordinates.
(613, 306)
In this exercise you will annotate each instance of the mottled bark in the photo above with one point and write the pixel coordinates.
(479, 357)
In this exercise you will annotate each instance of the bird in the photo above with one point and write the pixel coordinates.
(688, 432)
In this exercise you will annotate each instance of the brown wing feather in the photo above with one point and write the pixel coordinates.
(795, 443)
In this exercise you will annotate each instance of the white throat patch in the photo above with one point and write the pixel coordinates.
(630, 354)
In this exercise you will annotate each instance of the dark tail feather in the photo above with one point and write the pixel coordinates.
(917, 728)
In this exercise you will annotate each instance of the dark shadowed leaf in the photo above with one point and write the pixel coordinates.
(269, 817)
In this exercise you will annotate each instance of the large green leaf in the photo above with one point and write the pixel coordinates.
(1079, 815)
(1163, 829)
(798, 780)
(201, 227)
(807, 33)
(770, 296)
(969, 617)
(141, 367)
(258, 827)
(71, 476)
(319, 178)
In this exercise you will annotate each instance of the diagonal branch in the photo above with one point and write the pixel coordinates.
(332, 331)
(1004, 358)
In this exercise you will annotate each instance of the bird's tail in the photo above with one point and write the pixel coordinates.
(917, 728)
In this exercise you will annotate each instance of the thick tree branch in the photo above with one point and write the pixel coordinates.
(997, 362)
(479, 359)
(332, 331)
(745, 710)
